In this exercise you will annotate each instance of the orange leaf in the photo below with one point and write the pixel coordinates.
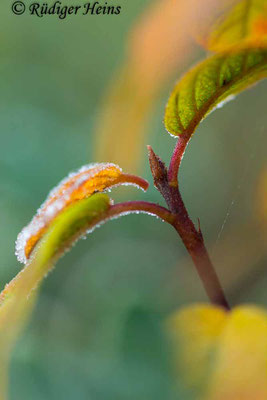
(77, 186)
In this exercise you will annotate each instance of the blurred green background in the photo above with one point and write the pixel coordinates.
(95, 333)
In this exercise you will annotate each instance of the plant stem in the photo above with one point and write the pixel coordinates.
(192, 237)
(176, 159)
(195, 246)
(141, 206)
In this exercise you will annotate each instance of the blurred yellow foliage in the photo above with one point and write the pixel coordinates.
(246, 21)
(221, 354)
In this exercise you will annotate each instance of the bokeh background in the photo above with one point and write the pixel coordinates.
(96, 330)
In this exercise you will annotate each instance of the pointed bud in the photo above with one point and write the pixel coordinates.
(159, 172)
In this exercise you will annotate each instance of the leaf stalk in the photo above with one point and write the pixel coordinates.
(145, 207)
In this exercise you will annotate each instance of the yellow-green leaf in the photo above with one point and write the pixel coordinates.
(69, 226)
(65, 229)
(246, 21)
(210, 83)
(17, 299)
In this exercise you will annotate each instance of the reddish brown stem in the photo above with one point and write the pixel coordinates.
(195, 246)
(176, 159)
(191, 237)
(143, 207)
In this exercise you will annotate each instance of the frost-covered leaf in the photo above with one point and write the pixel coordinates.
(211, 83)
(63, 231)
(246, 21)
(78, 185)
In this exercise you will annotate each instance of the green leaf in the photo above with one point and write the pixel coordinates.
(18, 297)
(69, 226)
(244, 21)
(210, 83)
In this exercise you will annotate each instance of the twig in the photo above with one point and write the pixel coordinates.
(167, 184)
